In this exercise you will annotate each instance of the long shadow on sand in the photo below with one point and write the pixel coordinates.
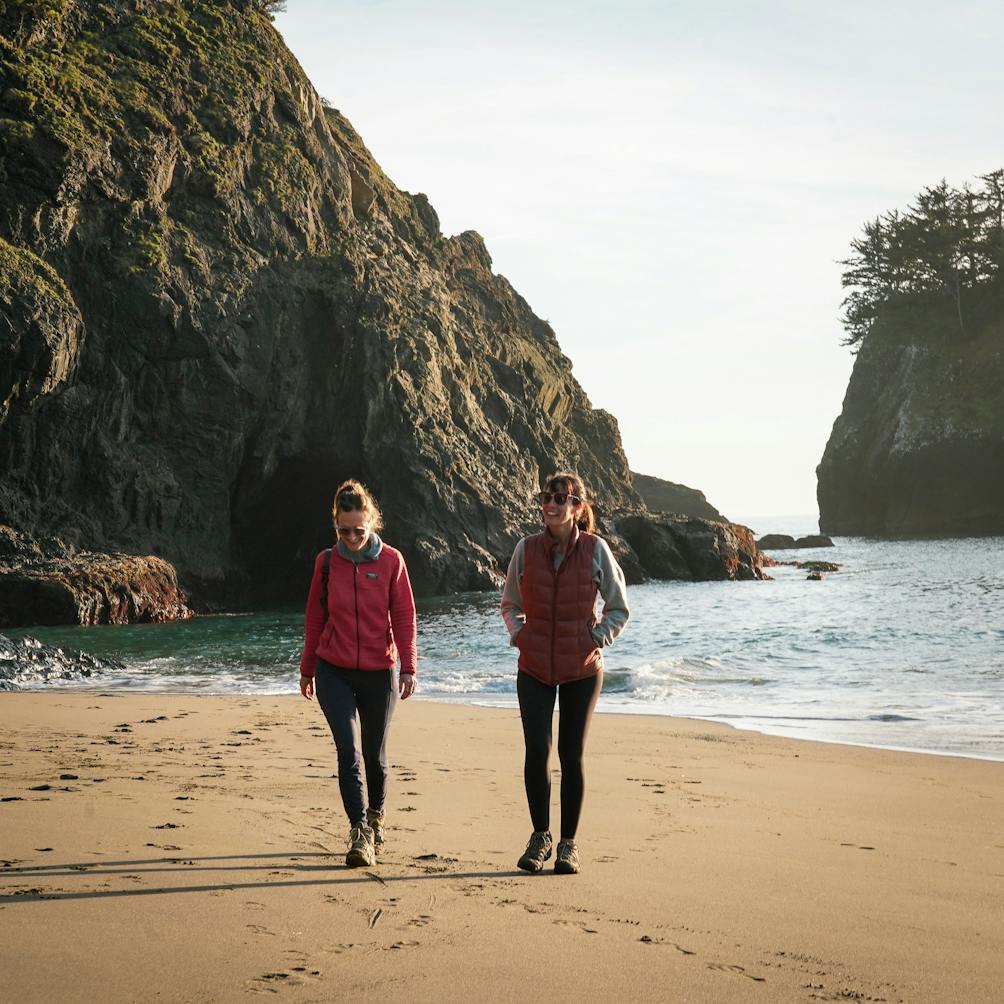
(426, 870)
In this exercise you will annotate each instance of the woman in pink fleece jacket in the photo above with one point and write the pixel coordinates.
(360, 618)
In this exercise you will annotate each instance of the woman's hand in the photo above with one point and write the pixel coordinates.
(406, 684)
(307, 687)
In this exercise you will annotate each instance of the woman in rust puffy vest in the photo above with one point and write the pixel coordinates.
(549, 607)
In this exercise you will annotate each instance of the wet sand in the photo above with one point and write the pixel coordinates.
(179, 848)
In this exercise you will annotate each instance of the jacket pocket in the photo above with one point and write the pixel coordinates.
(326, 633)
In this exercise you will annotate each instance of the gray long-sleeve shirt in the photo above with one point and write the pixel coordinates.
(609, 580)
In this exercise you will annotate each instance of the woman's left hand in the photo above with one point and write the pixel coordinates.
(406, 683)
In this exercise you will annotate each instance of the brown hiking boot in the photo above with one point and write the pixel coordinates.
(538, 850)
(375, 820)
(566, 862)
(362, 853)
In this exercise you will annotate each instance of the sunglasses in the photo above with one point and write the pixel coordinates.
(560, 498)
(351, 531)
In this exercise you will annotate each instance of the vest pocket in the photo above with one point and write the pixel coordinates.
(520, 640)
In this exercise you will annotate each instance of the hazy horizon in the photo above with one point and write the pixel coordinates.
(672, 189)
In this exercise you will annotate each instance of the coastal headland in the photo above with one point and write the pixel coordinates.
(221, 307)
(191, 848)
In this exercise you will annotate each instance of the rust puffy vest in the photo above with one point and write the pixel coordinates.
(556, 643)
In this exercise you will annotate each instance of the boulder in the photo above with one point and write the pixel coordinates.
(776, 542)
(52, 584)
(814, 540)
(690, 549)
(26, 663)
(784, 541)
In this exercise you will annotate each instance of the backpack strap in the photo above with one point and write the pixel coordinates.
(325, 572)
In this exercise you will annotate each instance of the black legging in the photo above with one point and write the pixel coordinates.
(576, 701)
(358, 704)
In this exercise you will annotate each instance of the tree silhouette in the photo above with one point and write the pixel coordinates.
(947, 243)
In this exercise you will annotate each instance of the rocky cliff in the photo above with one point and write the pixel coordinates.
(214, 306)
(918, 448)
(668, 496)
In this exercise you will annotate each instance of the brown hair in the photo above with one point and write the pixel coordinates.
(570, 482)
(353, 496)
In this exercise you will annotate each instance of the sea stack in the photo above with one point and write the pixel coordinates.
(918, 448)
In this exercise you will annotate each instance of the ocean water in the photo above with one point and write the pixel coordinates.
(902, 648)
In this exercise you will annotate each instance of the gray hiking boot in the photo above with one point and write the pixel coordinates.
(361, 853)
(566, 861)
(374, 820)
(538, 850)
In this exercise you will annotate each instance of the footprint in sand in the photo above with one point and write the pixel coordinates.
(720, 967)
(575, 923)
(268, 983)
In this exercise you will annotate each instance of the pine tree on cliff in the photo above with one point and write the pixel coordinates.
(948, 242)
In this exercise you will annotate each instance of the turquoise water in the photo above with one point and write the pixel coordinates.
(903, 648)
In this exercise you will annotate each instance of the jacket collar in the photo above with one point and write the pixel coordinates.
(369, 553)
(551, 544)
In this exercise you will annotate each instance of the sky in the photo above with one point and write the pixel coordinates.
(672, 186)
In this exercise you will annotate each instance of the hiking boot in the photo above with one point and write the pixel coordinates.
(566, 861)
(538, 850)
(374, 820)
(361, 851)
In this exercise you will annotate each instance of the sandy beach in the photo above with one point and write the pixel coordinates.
(181, 848)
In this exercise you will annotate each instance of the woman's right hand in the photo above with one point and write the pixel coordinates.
(307, 687)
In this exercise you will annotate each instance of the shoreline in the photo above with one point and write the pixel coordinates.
(500, 705)
(718, 864)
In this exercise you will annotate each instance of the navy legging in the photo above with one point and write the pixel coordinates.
(358, 704)
(576, 701)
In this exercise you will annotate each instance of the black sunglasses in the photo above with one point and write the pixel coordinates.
(351, 531)
(560, 498)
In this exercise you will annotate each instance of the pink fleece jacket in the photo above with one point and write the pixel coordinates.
(371, 615)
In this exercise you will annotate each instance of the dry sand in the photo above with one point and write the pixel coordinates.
(170, 848)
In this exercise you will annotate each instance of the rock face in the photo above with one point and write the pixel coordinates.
(667, 496)
(26, 662)
(918, 448)
(691, 549)
(50, 583)
(214, 306)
